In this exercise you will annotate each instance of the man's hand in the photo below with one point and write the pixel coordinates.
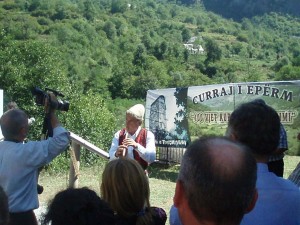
(51, 98)
(51, 110)
(121, 151)
(129, 142)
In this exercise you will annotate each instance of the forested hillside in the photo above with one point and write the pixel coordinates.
(239, 9)
(105, 54)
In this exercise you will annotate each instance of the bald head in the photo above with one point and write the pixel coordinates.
(219, 178)
(14, 124)
(227, 158)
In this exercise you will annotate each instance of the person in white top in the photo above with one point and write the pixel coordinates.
(133, 141)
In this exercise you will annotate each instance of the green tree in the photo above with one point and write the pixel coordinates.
(288, 73)
(160, 50)
(21, 27)
(236, 48)
(110, 30)
(147, 41)
(25, 65)
(153, 76)
(121, 80)
(118, 6)
(280, 63)
(139, 56)
(186, 34)
(296, 61)
(214, 52)
(89, 10)
(90, 118)
(186, 55)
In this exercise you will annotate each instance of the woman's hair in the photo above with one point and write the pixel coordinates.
(78, 207)
(125, 187)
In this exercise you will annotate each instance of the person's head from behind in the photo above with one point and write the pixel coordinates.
(216, 183)
(3, 207)
(126, 188)
(134, 118)
(14, 125)
(257, 126)
(78, 207)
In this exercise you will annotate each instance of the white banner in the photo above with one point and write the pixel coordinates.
(178, 115)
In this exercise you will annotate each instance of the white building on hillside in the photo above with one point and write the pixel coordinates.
(193, 47)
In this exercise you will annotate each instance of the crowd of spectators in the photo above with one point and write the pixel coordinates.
(222, 180)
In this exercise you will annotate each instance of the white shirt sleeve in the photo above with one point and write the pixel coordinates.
(114, 146)
(148, 153)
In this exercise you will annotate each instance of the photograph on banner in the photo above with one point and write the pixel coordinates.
(166, 116)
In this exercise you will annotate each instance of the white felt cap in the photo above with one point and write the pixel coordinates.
(137, 111)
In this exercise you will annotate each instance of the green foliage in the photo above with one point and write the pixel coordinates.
(110, 30)
(236, 48)
(288, 73)
(28, 64)
(9, 5)
(108, 46)
(118, 6)
(20, 27)
(280, 63)
(139, 56)
(239, 9)
(214, 52)
(90, 118)
(242, 37)
(153, 75)
(296, 61)
(89, 10)
(160, 50)
(186, 34)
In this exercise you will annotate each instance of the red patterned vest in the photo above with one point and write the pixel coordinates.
(141, 139)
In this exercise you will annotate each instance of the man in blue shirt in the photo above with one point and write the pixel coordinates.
(276, 163)
(257, 126)
(20, 162)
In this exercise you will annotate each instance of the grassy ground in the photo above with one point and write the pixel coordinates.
(162, 181)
